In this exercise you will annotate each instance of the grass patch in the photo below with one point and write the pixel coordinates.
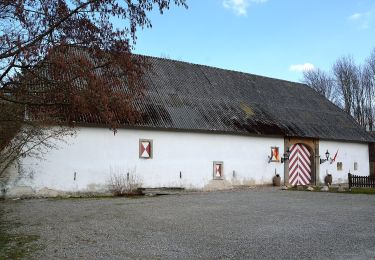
(15, 246)
(363, 191)
(94, 197)
(370, 191)
(79, 197)
(304, 188)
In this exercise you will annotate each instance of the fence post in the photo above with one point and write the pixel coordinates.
(350, 180)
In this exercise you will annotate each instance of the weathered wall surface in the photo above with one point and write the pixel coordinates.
(94, 153)
(85, 162)
(348, 154)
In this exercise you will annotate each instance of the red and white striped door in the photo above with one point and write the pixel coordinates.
(299, 165)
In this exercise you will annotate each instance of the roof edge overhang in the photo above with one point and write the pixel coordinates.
(168, 129)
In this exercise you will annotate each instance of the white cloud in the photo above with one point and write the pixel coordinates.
(355, 16)
(361, 19)
(240, 6)
(301, 67)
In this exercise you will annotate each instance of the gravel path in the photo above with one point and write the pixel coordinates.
(251, 224)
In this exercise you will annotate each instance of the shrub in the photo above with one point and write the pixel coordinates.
(124, 184)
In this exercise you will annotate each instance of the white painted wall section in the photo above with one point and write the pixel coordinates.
(348, 154)
(95, 152)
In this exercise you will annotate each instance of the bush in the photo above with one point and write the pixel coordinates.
(124, 184)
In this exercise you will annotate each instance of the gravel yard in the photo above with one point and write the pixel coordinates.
(261, 223)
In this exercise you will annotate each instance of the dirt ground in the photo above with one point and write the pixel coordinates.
(251, 224)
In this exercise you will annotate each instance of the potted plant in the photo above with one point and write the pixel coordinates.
(276, 180)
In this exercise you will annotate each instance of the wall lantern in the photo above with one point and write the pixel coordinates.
(326, 159)
(285, 156)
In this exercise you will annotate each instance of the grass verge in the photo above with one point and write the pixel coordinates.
(15, 246)
(363, 191)
(370, 191)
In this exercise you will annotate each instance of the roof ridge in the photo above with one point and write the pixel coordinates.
(213, 67)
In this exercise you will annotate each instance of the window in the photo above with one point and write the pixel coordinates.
(339, 166)
(145, 149)
(218, 170)
(355, 166)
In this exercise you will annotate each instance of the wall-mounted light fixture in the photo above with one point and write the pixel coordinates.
(285, 156)
(326, 159)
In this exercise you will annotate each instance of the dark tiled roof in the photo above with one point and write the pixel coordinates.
(190, 97)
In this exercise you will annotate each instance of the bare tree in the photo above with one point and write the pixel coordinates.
(321, 82)
(21, 137)
(350, 86)
(368, 80)
(347, 79)
(359, 98)
(64, 60)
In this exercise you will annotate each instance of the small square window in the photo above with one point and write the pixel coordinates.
(355, 166)
(339, 166)
(218, 170)
(145, 149)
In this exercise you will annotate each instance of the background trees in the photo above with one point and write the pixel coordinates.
(53, 54)
(348, 85)
(321, 82)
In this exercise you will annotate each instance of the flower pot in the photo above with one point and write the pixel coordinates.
(276, 180)
(328, 180)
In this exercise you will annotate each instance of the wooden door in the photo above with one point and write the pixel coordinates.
(299, 165)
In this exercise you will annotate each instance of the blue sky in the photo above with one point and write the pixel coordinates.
(274, 38)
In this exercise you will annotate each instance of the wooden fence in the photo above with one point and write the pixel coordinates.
(361, 181)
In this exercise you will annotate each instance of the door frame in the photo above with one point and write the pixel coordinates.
(313, 147)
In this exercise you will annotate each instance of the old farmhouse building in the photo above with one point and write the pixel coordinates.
(210, 128)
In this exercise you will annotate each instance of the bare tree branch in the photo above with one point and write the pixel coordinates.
(64, 60)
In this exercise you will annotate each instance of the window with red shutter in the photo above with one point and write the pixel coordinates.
(145, 148)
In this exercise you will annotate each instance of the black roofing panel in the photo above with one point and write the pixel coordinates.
(186, 96)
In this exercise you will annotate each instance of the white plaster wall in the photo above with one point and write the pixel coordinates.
(95, 151)
(348, 154)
